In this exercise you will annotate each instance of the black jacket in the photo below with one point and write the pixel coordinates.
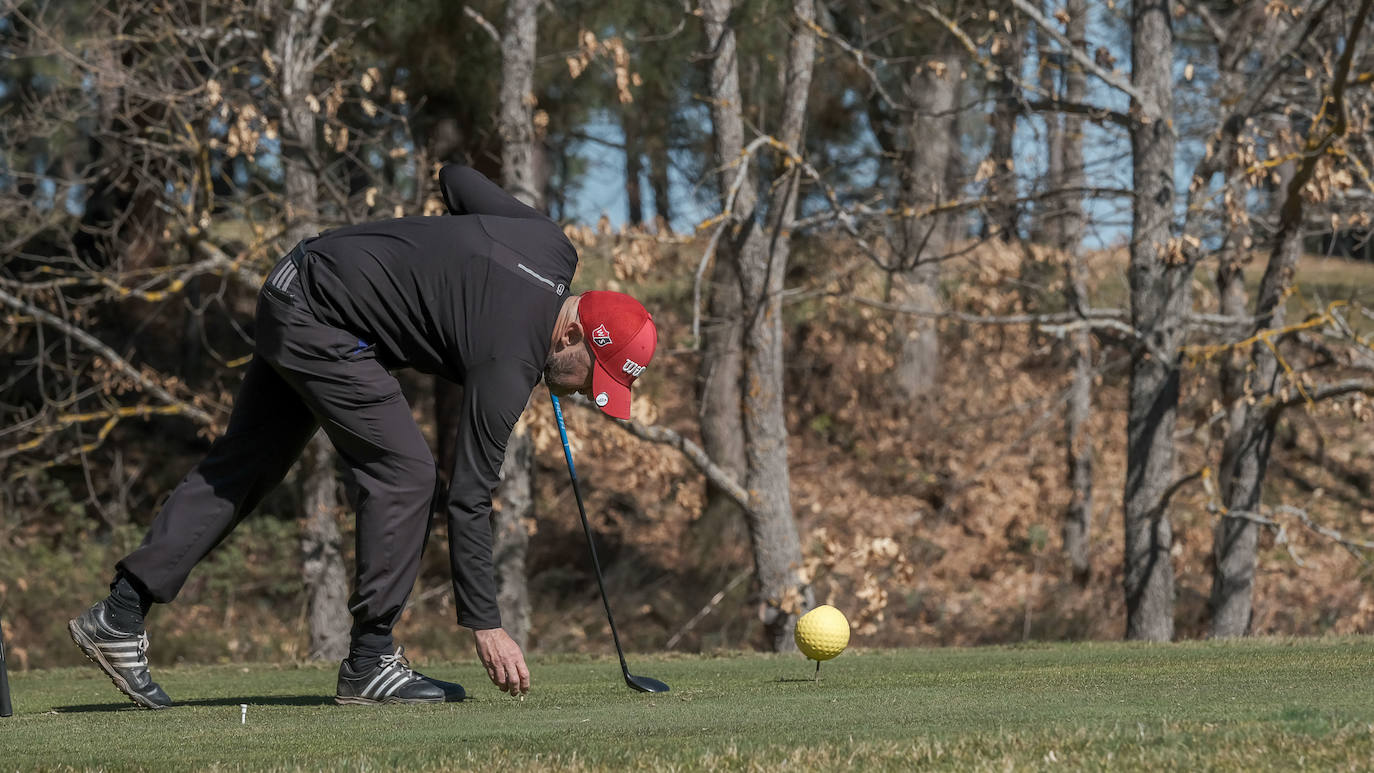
(472, 298)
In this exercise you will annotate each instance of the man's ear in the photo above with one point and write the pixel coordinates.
(575, 334)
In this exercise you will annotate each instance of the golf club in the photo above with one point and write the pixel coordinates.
(6, 710)
(641, 683)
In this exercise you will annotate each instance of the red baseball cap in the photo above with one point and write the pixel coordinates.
(622, 337)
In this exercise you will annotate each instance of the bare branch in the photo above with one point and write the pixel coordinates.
(1280, 531)
(1219, 34)
(1223, 138)
(1093, 113)
(1352, 544)
(1325, 531)
(1327, 392)
(694, 453)
(1109, 77)
(860, 59)
(721, 221)
(328, 50)
(710, 606)
(482, 21)
(231, 265)
(110, 356)
(1011, 319)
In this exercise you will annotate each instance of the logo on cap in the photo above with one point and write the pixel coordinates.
(632, 367)
(601, 336)
(602, 399)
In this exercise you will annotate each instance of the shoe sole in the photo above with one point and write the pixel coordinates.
(93, 654)
(344, 700)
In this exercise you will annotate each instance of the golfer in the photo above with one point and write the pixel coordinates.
(480, 298)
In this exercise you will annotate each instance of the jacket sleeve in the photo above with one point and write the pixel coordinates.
(494, 396)
(467, 191)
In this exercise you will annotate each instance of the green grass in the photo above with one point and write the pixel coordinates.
(1253, 705)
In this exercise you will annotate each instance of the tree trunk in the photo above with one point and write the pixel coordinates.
(1046, 214)
(1234, 540)
(721, 369)
(634, 162)
(510, 538)
(933, 90)
(299, 31)
(762, 260)
(1036, 272)
(1068, 230)
(298, 35)
(322, 566)
(1072, 177)
(1248, 445)
(1077, 529)
(1160, 297)
(516, 120)
(1003, 210)
(658, 181)
(1245, 453)
(721, 418)
(778, 552)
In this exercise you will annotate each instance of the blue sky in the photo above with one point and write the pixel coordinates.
(1106, 151)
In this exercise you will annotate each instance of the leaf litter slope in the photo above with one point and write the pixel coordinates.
(1246, 705)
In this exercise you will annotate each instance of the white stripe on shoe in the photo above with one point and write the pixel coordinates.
(398, 678)
(387, 684)
(381, 675)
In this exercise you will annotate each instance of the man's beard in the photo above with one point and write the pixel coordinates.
(560, 370)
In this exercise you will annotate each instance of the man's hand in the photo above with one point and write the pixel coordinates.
(504, 661)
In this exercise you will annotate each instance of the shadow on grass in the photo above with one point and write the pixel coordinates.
(254, 700)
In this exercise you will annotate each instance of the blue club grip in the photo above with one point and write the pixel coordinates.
(563, 433)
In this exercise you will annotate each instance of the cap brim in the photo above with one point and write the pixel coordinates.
(617, 394)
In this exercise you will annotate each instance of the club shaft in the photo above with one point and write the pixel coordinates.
(6, 710)
(586, 527)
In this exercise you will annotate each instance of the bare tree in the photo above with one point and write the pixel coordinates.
(933, 93)
(516, 119)
(1255, 413)
(1008, 48)
(760, 251)
(191, 92)
(1067, 220)
(296, 44)
(1234, 538)
(510, 538)
(721, 367)
(1161, 294)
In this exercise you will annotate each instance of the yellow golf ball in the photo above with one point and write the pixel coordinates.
(822, 633)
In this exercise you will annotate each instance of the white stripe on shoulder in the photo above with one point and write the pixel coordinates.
(529, 271)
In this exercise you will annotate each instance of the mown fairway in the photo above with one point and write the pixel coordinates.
(1255, 705)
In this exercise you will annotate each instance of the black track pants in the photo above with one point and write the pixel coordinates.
(306, 375)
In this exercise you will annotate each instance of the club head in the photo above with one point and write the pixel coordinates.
(645, 683)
